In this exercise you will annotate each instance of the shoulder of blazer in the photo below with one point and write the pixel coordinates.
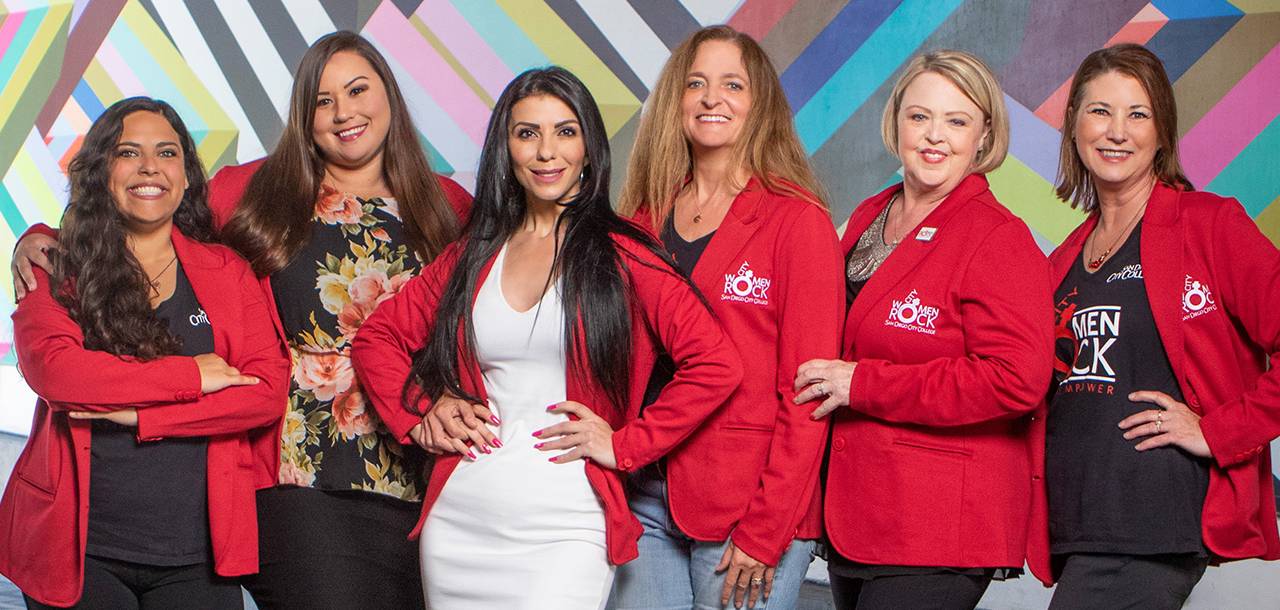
(203, 255)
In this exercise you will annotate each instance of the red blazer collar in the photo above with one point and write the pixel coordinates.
(910, 251)
(735, 231)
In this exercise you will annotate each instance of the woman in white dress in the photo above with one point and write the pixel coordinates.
(550, 310)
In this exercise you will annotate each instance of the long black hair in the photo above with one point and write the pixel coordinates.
(95, 275)
(594, 286)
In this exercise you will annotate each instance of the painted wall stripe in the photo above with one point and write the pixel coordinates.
(850, 28)
(643, 51)
(310, 18)
(1254, 176)
(1032, 141)
(873, 63)
(587, 31)
(502, 34)
(1244, 112)
(480, 60)
(670, 21)
(456, 146)
(254, 41)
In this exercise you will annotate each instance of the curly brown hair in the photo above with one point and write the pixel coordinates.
(95, 275)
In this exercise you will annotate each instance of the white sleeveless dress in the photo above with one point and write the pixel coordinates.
(512, 529)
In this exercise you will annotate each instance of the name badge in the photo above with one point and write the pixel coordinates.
(926, 233)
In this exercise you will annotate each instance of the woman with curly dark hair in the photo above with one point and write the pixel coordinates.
(158, 371)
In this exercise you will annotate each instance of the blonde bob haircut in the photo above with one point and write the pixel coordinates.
(769, 149)
(972, 76)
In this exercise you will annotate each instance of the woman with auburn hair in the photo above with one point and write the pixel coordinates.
(718, 172)
(159, 374)
(946, 352)
(1165, 324)
(335, 220)
(551, 299)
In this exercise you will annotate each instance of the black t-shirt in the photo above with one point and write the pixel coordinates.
(1104, 496)
(148, 501)
(686, 254)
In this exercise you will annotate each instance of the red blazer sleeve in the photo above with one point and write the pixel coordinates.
(55, 363)
(811, 312)
(1006, 307)
(458, 197)
(382, 351)
(226, 188)
(1250, 265)
(708, 368)
(236, 408)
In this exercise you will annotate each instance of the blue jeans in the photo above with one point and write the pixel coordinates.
(675, 572)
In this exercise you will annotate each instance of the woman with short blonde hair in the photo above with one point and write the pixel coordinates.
(946, 351)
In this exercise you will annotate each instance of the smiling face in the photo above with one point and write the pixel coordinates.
(717, 96)
(548, 153)
(1114, 133)
(352, 113)
(148, 173)
(939, 132)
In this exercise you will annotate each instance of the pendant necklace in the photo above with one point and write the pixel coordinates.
(1096, 263)
(155, 279)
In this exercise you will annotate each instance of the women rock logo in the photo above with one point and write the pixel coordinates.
(1197, 299)
(911, 314)
(746, 287)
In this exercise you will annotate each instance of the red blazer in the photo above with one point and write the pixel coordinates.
(1218, 353)
(773, 274)
(953, 338)
(44, 513)
(225, 190)
(664, 309)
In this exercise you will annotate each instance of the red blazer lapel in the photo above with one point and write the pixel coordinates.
(734, 233)
(1163, 274)
(910, 251)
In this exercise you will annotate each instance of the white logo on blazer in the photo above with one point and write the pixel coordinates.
(746, 287)
(198, 319)
(1197, 299)
(911, 314)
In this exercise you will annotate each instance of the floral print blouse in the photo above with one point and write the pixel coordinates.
(357, 257)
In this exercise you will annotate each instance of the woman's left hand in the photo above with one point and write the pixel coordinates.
(124, 417)
(1173, 424)
(589, 437)
(818, 378)
(744, 577)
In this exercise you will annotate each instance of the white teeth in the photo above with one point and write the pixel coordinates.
(713, 118)
(146, 191)
(350, 132)
(933, 156)
(1114, 154)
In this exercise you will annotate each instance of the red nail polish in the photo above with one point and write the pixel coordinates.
(494, 419)
(551, 408)
(537, 433)
(538, 445)
(484, 449)
(497, 443)
(471, 454)
(551, 460)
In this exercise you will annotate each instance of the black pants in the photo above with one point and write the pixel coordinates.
(1150, 582)
(944, 591)
(110, 584)
(321, 549)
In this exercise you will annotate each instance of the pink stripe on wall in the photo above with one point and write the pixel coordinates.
(8, 30)
(1234, 122)
(456, 33)
(395, 34)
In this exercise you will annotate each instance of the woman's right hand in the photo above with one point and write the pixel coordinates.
(216, 374)
(452, 422)
(32, 250)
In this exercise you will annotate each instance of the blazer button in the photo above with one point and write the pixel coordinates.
(838, 444)
(1035, 477)
(627, 464)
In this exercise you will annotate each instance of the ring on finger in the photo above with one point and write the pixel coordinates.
(757, 581)
(740, 585)
(1158, 422)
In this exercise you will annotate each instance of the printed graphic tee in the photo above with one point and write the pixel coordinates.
(1104, 496)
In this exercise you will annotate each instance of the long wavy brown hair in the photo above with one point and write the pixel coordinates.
(273, 221)
(95, 275)
(770, 150)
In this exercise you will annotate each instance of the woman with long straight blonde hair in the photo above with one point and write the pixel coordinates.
(718, 171)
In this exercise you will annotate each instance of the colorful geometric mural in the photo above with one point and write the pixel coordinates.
(226, 66)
